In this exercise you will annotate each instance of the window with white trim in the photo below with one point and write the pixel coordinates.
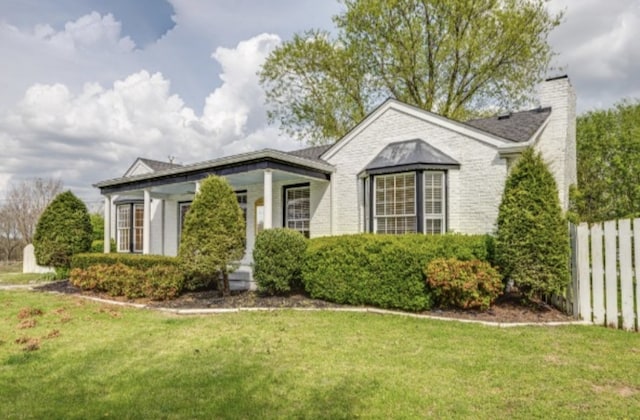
(124, 228)
(297, 208)
(394, 203)
(434, 202)
(130, 226)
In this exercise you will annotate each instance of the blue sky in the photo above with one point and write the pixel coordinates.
(89, 85)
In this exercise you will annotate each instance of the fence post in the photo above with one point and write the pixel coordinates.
(583, 277)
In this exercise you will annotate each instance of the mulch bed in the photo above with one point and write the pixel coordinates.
(509, 308)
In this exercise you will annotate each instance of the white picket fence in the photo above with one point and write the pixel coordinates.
(606, 273)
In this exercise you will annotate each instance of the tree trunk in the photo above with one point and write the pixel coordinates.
(225, 284)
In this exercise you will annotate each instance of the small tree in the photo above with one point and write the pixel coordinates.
(532, 243)
(213, 234)
(63, 229)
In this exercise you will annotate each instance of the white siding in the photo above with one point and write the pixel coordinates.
(474, 190)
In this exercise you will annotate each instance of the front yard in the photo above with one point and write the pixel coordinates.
(64, 357)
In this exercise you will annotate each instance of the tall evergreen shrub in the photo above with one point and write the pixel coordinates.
(532, 241)
(213, 235)
(64, 229)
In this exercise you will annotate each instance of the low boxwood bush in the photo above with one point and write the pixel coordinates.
(132, 276)
(470, 284)
(98, 245)
(277, 260)
(131, 260)
(382, 270)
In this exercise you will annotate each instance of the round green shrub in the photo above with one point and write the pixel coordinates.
(277, 260)
(213, 237)
(463, 284)
(532, 240)
(64, 229)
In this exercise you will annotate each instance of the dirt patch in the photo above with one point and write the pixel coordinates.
(509, 308)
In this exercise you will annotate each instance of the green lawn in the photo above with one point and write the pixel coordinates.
(11, 273)
(104, 361)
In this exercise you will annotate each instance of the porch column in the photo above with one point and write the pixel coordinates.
(197, 187)
(268, 199)
(107, 224)
(146, 224)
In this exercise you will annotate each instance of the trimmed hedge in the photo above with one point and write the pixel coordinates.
(97, 245)
(463, 284)
(277, 260)
(130, 275)
(132, 260)
(383, 270)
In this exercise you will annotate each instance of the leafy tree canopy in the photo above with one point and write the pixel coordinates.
(64, 229)
(214, 232)
(532, 241)
(608, 151)
(453, 57)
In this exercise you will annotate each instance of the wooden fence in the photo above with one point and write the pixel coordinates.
(606, 273)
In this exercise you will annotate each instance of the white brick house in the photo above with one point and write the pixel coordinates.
(402, 169)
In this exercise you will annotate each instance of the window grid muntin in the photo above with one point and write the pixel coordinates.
(124, 227)
(434, 202)
(395, 203)
(298, 209)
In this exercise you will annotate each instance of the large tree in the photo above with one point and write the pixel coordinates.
(608, 146)
(213, 235)
(453, 57)
(25, 202)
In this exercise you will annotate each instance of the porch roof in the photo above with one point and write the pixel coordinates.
(236, 164)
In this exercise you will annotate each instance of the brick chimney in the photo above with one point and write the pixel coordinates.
(557, 142)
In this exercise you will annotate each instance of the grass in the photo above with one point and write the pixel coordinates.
(11, 273)
(95, 360)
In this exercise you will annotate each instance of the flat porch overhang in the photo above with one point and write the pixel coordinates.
(237, 164)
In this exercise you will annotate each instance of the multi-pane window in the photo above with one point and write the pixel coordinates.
(394, 203)
(297, 209)
(434, 210)
(130, 223)
(138, 225)
(124, 228)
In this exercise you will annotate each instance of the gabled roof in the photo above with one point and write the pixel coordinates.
(497, 131)
(516, 126)
(157, 165)
(149, 166)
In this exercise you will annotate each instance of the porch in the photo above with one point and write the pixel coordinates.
(145, 213)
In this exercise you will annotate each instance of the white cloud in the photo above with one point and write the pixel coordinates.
(89, 32)
(96, 133)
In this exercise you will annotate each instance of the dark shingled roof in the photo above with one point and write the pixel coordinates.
(517, 126)
(408, 153)
(157, 165)
(313, 153)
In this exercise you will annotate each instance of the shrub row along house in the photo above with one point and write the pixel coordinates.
(400, 170)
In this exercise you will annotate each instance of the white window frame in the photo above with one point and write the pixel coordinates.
(300, 223)
(123, 237)
(127, 228)
(443, 202)
(377, 217)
